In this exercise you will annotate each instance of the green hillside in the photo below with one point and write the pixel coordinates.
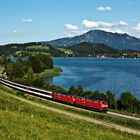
(27, 49)
(22, 121)
(86, 48)
(83, 49)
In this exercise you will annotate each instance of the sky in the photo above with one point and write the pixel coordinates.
(43, 20)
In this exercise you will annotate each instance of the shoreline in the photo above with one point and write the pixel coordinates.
(101, 57)
(48, 73)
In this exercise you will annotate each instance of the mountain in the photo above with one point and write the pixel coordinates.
(86, 48)
(115, 40)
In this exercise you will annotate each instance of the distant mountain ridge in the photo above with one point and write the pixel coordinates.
(114, 40)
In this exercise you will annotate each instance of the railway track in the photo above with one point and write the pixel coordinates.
(122, 115)
(46, 94)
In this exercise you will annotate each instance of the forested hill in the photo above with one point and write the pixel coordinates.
(86, 48)
(83, 49)
(31, 48)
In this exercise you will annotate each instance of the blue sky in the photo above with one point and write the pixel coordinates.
(42, 20)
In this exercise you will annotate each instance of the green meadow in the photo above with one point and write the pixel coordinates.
(21, 121)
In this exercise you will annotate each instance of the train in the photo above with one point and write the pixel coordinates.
(96, 105)
(82, 102)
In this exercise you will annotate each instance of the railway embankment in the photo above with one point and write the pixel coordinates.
(18, 106)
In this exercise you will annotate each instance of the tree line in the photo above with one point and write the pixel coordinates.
(22, 70)
(126, 102)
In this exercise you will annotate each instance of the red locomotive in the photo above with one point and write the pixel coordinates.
(97, 105)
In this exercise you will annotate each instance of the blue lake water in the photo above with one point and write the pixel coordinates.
(115, 74)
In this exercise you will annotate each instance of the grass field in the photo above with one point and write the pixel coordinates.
(20, 121)
(38, 47)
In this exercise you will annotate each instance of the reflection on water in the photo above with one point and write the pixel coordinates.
(117, 75)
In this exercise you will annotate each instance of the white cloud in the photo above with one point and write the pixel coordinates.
(16, 31)
(137, 27)
(75, 33)
(122, 23)
(71, 27)
(27, 20)
(99, 24)
(101, 8)
(115, 30)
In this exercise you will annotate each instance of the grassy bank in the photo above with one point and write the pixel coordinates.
(22, 121)
(50, 72)
(134, 124)
(130, 123)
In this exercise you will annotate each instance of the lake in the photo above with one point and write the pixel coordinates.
(115, 74)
